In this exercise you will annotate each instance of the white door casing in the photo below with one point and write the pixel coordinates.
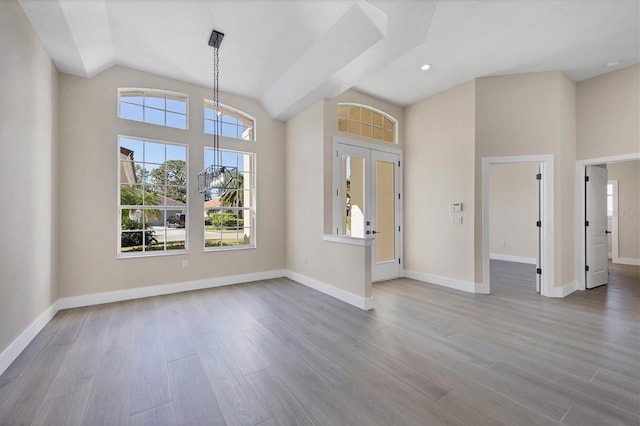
(597, 266)
(545, 261)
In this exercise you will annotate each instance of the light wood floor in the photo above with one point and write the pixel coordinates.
(276, 352)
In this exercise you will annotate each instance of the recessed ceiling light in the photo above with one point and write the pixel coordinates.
(612, 63)
(425, 67)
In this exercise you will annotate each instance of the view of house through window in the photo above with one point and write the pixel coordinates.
(153, 197)
(229, 215)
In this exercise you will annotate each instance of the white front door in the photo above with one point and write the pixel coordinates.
(367, 204)
(597, 266)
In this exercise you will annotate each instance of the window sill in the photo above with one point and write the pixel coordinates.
(214, 249)
(137, 255)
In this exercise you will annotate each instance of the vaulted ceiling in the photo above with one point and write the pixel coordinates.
(290, 54)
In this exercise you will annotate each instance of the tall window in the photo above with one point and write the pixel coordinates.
(609, 200)
(230, 215)
(152, 214)
(368, 122)
(233, 123)
(153, 106)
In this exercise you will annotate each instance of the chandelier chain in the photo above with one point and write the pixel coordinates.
(216, 106)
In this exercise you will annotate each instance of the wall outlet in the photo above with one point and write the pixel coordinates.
(456, 220)
(185, 263)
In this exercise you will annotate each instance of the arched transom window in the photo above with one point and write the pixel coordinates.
(361, 120)
(233, 123)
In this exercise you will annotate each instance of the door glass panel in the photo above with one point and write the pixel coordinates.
(353, 199)
(385, 212)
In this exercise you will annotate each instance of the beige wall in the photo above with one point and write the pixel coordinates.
(345, 267)
(28, 139)
(88, 205)
(608, 114)
(439, 169)
(628, 176)
(513, 200)
(531, 114)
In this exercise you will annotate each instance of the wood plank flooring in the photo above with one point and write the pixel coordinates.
(278, 353)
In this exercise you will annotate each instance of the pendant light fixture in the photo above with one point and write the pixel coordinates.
(217, 175)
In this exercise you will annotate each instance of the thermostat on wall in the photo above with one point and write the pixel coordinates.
(456, 207)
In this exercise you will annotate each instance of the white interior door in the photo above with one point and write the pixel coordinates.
(597, 266)
(385, 228)
(539, 226)
(367, 188)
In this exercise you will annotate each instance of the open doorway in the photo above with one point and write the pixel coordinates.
(543, 226)
(514, 211)
(620, 194)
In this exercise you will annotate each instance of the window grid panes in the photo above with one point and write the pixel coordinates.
(154, 107)
(229, 215)
(363, 121)
(233, 123)
(153, 202)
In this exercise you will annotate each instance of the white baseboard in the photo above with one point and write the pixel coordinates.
(345, 296)
(510, 258)
(17, 346)
(565, 290)
(468, 286)
(158, 290)
(627, 261)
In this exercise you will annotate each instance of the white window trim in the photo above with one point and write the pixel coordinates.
(208, 102)
(253, 209)
(154, 253)
(379, 111)
(158, 91)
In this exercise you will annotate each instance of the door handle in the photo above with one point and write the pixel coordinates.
(607, 232)
(375, 232)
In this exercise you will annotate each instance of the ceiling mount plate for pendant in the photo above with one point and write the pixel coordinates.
(216, 39)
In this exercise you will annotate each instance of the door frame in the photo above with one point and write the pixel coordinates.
(580, 209)
(614, 222)
(547, 237)
(335, 210)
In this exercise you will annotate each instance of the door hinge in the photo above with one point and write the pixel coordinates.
(539, 176)
(586, 268)
(398, 196)
(539, 271)
(398, 163)
(586, 223)
(586, 178)
(398, 261)
(539, 224)
(336, 152)
(336, 192)
(398, 228)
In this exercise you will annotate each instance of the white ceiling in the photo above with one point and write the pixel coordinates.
(289, 54)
